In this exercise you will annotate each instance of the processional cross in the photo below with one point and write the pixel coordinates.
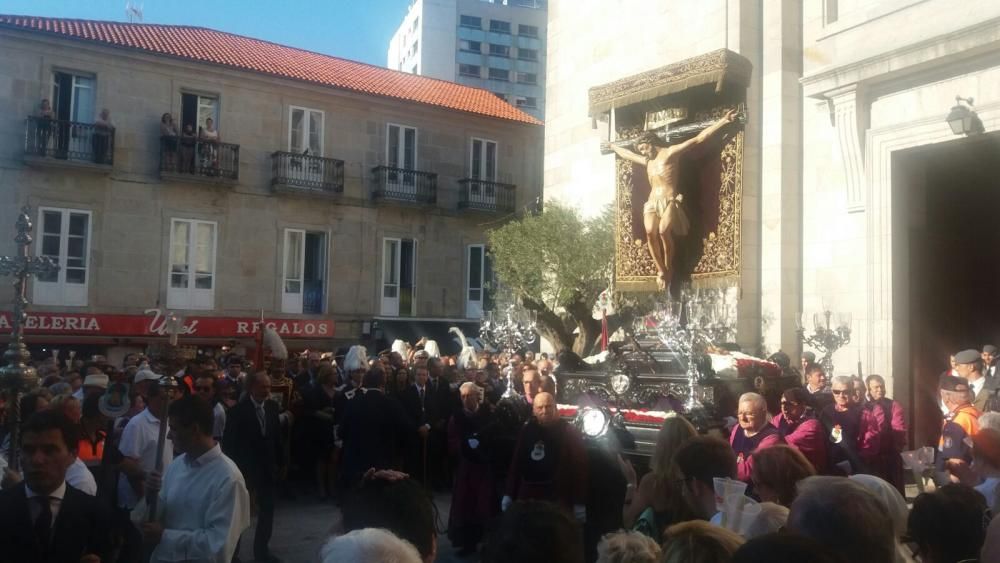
(17, 376)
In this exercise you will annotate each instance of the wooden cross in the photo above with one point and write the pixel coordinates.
(17, 376)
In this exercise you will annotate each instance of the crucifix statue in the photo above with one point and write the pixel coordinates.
(17, 376)
(663, 215)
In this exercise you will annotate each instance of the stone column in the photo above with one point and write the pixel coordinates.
(781, 174)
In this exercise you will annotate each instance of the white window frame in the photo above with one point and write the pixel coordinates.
(483, 152)
(401, 155)
(291, 302)
(304, 141)
(474, 307)
(390, 305)
(191, 297)
(60, 292)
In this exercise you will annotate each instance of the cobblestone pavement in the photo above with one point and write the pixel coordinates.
(301, 526)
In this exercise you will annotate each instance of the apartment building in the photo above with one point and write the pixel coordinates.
(338, 201)
(497, 45)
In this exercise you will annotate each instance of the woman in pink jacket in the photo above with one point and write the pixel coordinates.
(798, 426)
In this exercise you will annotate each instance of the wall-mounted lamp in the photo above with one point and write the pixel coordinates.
(963, 119)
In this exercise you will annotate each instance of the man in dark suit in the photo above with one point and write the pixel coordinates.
(253, 440)
(419, 405)
(371, 427)
(43, 519)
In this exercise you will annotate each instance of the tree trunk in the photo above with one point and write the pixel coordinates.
(589, 327)
(550, 325)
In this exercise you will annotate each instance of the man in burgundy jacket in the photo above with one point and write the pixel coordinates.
(753, 433)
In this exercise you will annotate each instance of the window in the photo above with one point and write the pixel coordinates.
(470, 21)
(483, 160)
(304, 274)
(196, 109)
(527, 54)
(527, 78)
(499, 50)
(399, 275)
(469, 70)
(475, 258)
(73, 97)
(499, 74)
(832, 11)
(500, 95)
(305, 131)
(65, 237)
(415, 69)
(470, 46)
(499, 26)
(525, 102)
(401, 152)
(192, 264)
(527, 30)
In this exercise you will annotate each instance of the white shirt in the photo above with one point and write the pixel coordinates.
(78, 394)
(204, 507)
(139, 441)
(219, 426)
(988, 489)
(55, 502)
(976, 386)
(80, 478)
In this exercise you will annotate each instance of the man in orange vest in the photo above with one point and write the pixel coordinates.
(960, 423)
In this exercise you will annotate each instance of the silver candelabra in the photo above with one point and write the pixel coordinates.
(826, 337)
(679, 327)
(509, 330)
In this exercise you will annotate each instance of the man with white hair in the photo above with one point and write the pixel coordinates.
(754, 432)
(470, 439)
(369, 545)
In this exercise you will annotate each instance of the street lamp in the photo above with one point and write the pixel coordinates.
(963, 120)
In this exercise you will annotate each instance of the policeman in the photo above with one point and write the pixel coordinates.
(960, 423)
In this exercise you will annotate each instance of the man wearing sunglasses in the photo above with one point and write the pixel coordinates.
(204, 387)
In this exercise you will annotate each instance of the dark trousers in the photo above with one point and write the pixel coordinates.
(264, 494)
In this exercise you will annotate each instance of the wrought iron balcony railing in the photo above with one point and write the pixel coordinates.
(310, 173)
(481, 195)
(398, 184)
(69, 140)
(190, 155)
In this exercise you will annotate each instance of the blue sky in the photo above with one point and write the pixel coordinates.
(353, 29)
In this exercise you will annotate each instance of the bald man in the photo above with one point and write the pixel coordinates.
(549, 461)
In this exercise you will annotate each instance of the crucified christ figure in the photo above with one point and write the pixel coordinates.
(662, 215)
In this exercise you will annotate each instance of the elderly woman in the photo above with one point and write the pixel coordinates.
(474, 496)
(656, 501)
(627, 547)
(798, 427)
(752, 433)
(852, 431)
(888, 413)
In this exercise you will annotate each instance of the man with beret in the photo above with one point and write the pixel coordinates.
(989, 356)
(969, 365)
(960, 424)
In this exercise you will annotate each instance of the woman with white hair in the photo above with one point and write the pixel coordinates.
(627, 547)
(754, 432)
(473, 501)
(852, 430)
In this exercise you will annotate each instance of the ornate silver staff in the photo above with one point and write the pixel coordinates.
(17, 376)
(168, 385)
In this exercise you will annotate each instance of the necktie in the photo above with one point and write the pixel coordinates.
(421, 397)
(43, 524)
(260, 419)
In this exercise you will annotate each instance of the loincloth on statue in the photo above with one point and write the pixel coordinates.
(669, 210)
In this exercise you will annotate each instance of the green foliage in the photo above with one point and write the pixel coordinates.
(557, 257)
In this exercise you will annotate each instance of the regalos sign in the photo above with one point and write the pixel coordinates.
(154, 323)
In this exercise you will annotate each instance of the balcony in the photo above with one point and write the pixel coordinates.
(56, 142)
(187, 159)
(491, 197)
(306, 174)
(406, 186)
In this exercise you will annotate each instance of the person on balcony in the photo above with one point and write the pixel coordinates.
(104, 131)
(209, 138)
(188, 141)
(45, 117)
(168, 140)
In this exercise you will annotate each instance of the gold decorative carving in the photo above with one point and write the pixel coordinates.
(716, 67)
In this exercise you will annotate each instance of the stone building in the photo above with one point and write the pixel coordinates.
(858, 197)
(341, 201)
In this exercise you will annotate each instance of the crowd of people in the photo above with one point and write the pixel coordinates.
(822, 479)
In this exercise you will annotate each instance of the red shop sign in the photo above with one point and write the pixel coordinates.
(154, 323)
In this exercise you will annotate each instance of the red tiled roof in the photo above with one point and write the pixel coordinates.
(245, 53)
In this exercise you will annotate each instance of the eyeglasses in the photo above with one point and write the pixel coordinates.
(789, 404)
(839, 391)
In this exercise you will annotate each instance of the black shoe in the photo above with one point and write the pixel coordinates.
(269, 558)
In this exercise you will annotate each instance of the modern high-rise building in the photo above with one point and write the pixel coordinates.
(497, 45)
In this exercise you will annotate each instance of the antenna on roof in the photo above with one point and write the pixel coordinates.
(133, 12)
